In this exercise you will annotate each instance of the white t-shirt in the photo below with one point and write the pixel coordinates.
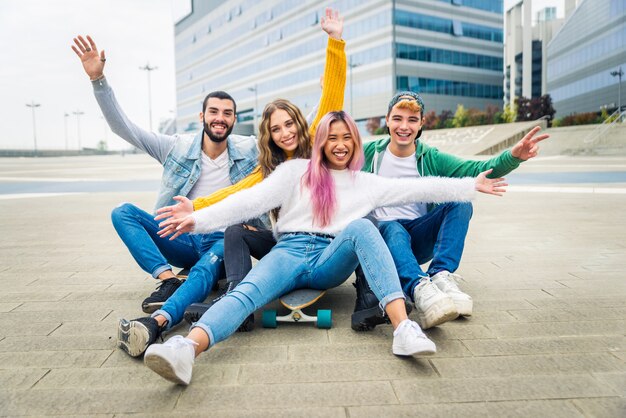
(399, 167)
(215, 175)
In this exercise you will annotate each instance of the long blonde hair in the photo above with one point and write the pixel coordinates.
(270, 154)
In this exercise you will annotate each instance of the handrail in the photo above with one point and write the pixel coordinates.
(599, 132)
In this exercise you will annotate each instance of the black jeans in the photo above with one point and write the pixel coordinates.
(239, 244)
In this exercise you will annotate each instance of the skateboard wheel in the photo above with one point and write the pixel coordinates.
(269, 319)
(324, 318)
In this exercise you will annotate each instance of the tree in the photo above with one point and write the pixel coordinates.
(535, 108)
(461, 117)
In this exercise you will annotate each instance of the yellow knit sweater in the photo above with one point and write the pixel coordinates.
(334, 85)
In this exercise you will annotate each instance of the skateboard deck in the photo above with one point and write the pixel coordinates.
(296, 301)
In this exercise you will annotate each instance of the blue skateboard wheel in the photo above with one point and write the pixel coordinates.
(324, 318)
(269, 319)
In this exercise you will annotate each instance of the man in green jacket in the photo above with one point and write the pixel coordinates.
(418, 233)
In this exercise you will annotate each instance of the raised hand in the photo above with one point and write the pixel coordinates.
(490, 186)
(93, 62)
(528, 146)
(332, 23)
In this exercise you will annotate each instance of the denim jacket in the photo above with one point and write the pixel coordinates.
(180, 155)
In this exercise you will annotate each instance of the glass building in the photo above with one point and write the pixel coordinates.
(451, 51)
(525, 48)
(583, 54)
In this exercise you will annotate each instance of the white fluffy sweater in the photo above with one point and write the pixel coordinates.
(356, 195)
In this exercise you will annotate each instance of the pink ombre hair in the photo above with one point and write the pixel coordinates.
(317, 177)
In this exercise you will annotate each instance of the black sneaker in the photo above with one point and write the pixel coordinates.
(136, 335)
(165, 289)
(196, 310)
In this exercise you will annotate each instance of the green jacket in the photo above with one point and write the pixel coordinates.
(431, 162)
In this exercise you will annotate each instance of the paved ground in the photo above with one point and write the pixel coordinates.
(545, 265)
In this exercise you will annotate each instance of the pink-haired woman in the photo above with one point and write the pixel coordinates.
(321, 240)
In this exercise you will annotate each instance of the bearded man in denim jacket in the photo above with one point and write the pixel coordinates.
(193, 166)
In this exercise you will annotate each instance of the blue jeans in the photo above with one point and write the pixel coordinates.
(202, 254)
(438, 236)
(306, 261)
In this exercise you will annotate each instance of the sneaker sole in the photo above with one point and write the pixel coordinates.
(132, 337)
(163, 368)
(405, 352)
(464, 307)
(367, 319)
(151, 307)
(437, 314)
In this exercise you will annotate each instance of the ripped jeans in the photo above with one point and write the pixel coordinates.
(306, 261)
(202, 254)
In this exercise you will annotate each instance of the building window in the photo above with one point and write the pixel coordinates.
(444, 56)
(449, 87)
(438, 24)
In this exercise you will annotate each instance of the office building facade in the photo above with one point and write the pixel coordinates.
(525, 49)
(259, 50)
(582, 55)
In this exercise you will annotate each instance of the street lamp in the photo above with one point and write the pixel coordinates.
(148, 69)
(351, 66)
(618, 74)
(78, 113)
(256, 104)
(32, 106)
(106, 136)
(65, 116)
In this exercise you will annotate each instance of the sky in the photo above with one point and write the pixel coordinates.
(540, 4)
(38, 65)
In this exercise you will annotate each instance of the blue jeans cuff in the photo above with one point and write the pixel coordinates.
(391, 297)
(167, 316)
(206, 329)
(160, 270)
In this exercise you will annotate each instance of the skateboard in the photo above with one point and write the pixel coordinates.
(296, 301)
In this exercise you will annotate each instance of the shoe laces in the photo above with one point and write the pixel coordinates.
(162, 287)
(427, 289)
(407, 325)
(178, 342)
(451, 281)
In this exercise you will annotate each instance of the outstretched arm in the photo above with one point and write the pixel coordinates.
(400, 191)
(334, 81)
(156, 145)
(240, 207)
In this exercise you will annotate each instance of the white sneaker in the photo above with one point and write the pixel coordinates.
(447, 282)
(408, 339)
(172, 360)
(433, 306)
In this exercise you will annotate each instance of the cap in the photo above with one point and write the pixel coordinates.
(405, 95)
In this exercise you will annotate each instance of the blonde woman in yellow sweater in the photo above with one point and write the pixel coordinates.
(283, 134)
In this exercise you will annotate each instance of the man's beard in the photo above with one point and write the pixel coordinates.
(215, 138)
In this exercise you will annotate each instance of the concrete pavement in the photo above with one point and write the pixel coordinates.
(545, 266)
